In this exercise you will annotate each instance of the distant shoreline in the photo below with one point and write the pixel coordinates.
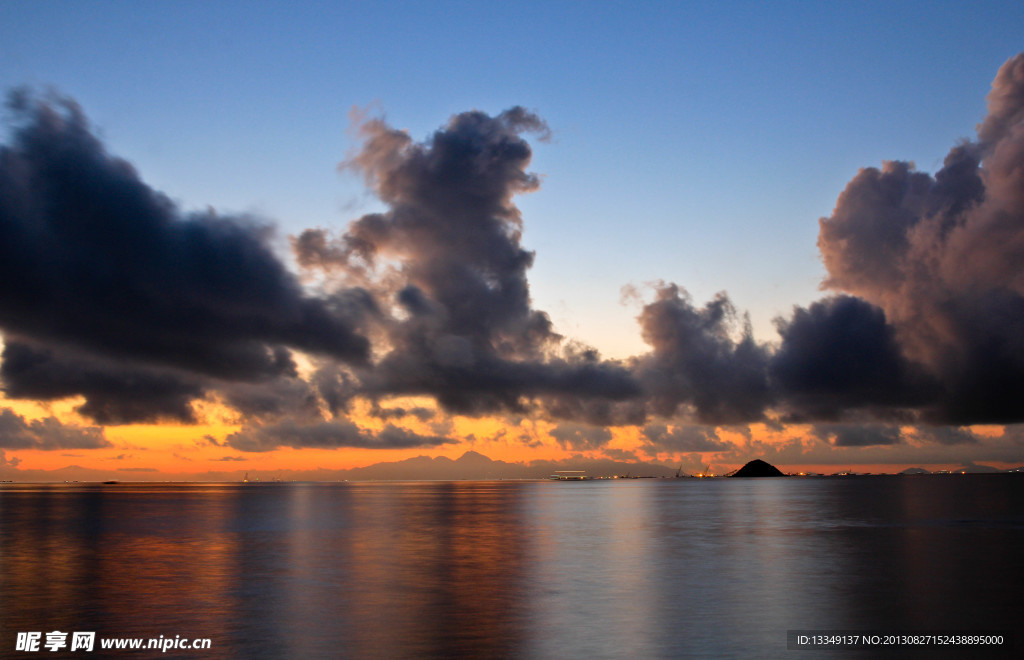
(797, 477)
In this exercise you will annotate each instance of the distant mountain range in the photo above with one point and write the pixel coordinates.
(475, 466)
(970, 468)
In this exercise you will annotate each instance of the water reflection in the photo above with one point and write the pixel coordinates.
(437, 569)
(511, 569)
(593, 574)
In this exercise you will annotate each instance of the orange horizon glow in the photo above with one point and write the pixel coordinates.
(198, 451)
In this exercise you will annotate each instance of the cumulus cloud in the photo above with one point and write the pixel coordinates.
(446, 260)
(840, 353)
(48, 433)
(703, 359)
(454, 230)
(928, 323)
(941, 257)
(97, 267)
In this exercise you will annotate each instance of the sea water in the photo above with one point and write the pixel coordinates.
(645, 568)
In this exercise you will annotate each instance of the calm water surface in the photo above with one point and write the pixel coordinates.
(642, 568)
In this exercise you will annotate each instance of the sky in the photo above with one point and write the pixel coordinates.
(280, 237)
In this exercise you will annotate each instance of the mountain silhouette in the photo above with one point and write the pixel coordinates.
(758, 468)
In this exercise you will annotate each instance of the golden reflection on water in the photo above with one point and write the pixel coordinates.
(429, 566)
(96, 559)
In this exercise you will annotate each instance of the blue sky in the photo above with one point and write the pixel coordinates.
(692, 142)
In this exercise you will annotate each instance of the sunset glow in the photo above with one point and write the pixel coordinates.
(547, 279)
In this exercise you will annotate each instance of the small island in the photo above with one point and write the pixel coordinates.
(758, 468)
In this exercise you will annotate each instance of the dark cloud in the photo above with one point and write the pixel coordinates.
(447, 256)
(702, 358)
(621, 455)
(840, 354)
(92, 259)
(932, 326)
(1014, 433)
(487, 383)
(327, 435)
(601, 411)
(272, 399)
(946, 435)
(336, 387)
(397, 412)
(580, 437)
(942, 255)
(115, 393)
(857, 435)
(455, 231)
(47, 433)
(685, 438)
